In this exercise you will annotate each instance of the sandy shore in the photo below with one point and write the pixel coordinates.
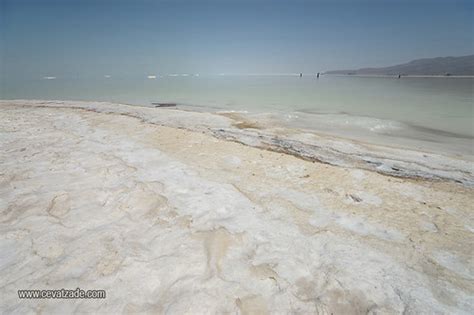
(161, 210)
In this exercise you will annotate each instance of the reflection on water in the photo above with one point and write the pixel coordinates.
(443, 104)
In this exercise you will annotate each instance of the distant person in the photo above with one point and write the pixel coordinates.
(399, 76)
(317, 76)
(301, 75)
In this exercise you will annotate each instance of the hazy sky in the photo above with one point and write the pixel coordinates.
(71, 37)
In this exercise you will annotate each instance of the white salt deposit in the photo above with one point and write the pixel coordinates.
(171, 221)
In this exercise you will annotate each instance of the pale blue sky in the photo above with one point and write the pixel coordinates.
(87, 38)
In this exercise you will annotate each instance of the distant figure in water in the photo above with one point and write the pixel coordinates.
(301, 75)
(399, 76)
(317, 76)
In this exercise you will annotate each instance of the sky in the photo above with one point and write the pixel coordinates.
(118, 37)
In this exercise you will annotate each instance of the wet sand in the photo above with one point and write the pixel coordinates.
(181, 212)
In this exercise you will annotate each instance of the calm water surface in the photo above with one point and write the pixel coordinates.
(409, 106)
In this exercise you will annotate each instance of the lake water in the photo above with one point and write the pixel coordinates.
(437, 110)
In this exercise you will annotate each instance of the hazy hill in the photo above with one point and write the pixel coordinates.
(430, 66)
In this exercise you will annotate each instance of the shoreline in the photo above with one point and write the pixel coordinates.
(395, 76)
(306, 144)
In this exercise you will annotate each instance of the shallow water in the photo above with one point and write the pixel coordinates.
(430, 109)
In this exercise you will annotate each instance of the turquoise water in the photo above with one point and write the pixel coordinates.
(439, 105)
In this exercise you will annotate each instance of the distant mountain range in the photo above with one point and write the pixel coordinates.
(430, 66)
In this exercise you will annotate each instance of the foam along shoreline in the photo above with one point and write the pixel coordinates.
(312, 146)
(360, 130)
(156, 208)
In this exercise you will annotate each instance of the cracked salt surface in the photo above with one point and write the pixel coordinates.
(103, 201)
